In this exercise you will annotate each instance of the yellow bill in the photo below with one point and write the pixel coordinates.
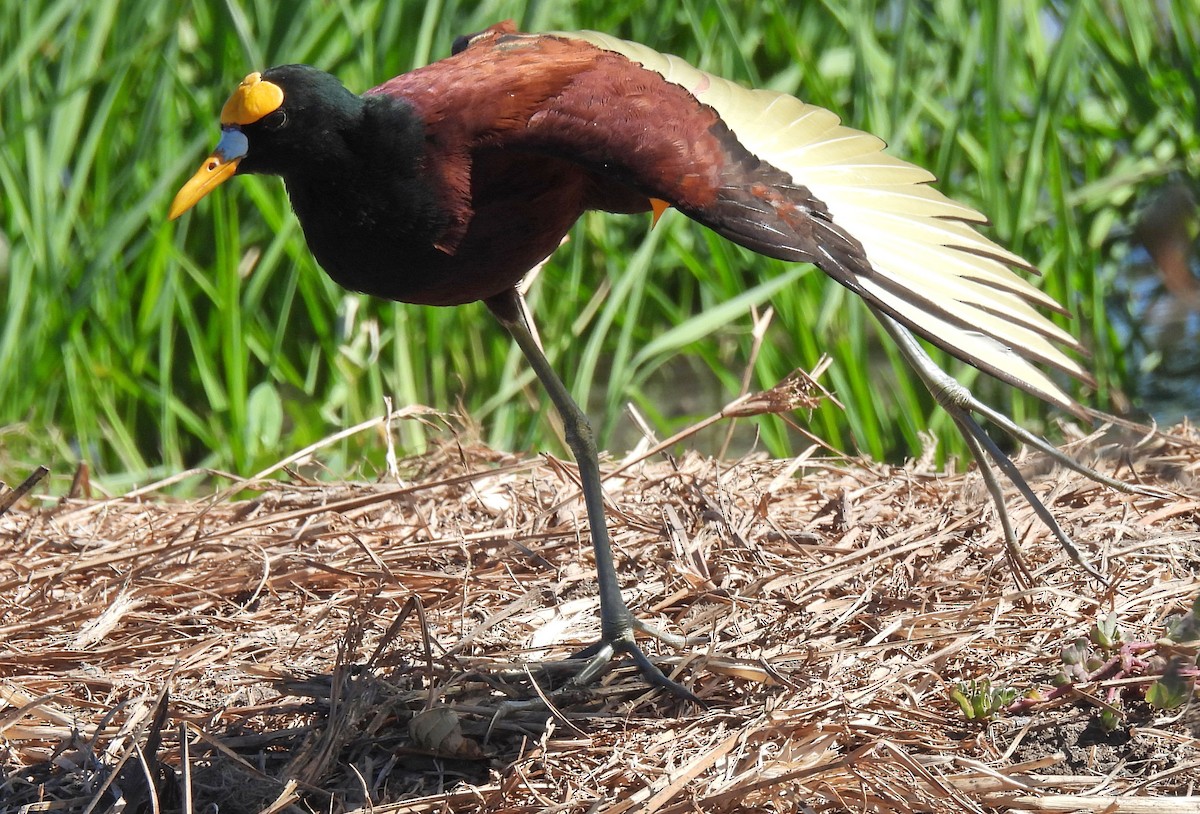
(215, 170)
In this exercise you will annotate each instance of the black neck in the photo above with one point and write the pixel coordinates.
(365, 223)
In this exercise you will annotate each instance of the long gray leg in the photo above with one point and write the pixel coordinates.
(617, 624)
(958, 401)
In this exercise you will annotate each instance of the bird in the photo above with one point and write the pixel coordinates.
(446, 185)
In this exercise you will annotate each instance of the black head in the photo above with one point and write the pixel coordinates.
(277, 122)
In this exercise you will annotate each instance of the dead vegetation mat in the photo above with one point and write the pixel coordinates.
(302, 646)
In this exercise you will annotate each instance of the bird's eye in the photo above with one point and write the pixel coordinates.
(275, 119)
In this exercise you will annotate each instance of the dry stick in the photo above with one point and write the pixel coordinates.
(286, 797)
(654, 796)
(414, 603)
(115, 772)
(7, 501)
(743, 406)
(758, 333)
(361, 501)
(752, 404)
(1105, 804)
(185, 768)
(241, 483)
(148, 772)
(81, 483)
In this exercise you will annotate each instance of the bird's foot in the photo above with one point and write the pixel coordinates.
(589, 664)
(598, 656)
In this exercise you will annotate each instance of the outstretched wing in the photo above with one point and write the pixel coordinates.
(922, 260)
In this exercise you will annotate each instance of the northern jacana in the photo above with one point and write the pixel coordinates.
(446, 185)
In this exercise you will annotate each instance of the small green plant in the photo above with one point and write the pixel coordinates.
(1178, 682)
(1106, 654)
(1173, 689)
(1076, 661)
(979, 700)
(1184, 627)
(1106, 633)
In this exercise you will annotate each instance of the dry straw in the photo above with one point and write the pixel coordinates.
(317, 647)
